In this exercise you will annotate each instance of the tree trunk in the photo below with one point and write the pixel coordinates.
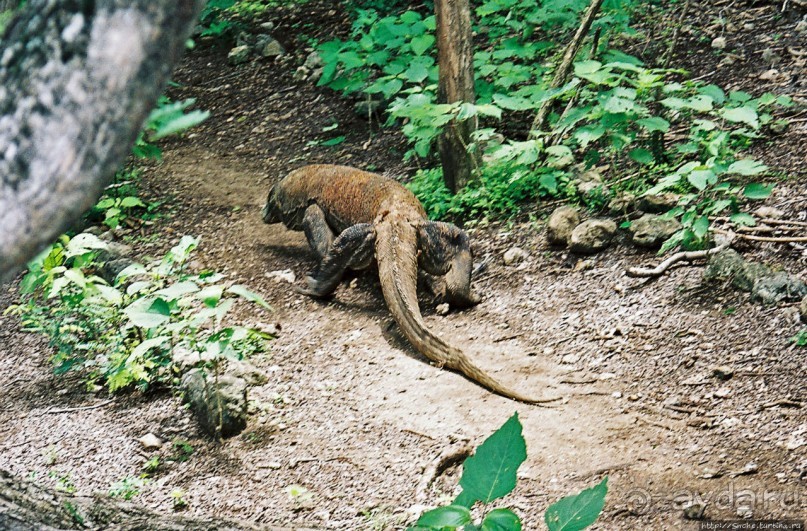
(77, 80)
(456, 83)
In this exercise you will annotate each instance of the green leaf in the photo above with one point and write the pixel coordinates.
(180, 123)
(416, 72)
(333, 141)
(700, 179)
(574, 513)
(147, 345)
(654, 123)
(491, 472)
(743, 219)
(211, 295)
(700, 227)
(251, 296)
(174, 291)
(641, 155)
(501, 520)
(451, 516)
(589, 133)
(700, 103)
(745, 115)
(131, 201)
(422, 43)
(513, 103)
(585, 68)
(148, 312)
(747, 167)
(714, 92)
(757, 190)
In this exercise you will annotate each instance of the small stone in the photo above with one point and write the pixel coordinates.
(570, 359)
(238, 55)
(723, 392)
(607, 376)
(749, 26)
(719, 43)
(633, 398)
(651, 230)
(592, 236)
(560, 225)
(247, 371)
(514, 255)
(313, 61)
(694, 511)
(622, 203)
(803, 310)
(442, 309)
(150, 441)
(801, 27)
(769, 75)
(285, 275)
(722, 372)
(769, 212)
(616, 394)
(658, 203)
(267, 26)
(301, 74)
(777, 287)
(588, 182)
(271, 48)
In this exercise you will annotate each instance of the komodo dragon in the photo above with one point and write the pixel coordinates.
(373, 214)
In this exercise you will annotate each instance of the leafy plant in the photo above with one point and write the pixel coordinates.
(183, 450)
(124, 334)
(178, 499)
(800, 339)
(490, 474)
(128, 487)
(167, 118)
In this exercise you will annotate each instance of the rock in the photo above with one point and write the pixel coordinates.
(779, 126)
(769, 75)
(719, 43)
(442, 309)
(238, 55)
(801, 27)
(266, 46)
(803, 310)
(588, 182)
(570, 359)
(694, 511)
(313, 61)
(111, 268)
(514, 255)
(301, 74)
(246, 371)
(723, 392)
(286, 275)
(777, 287)
(592, 236)
(184, 358)
(769, 212)
(622, 203)
(150, 441)
(749, 26)
(651, 230)
(722, 372)
(95, 230)
(658, 203)
(770, 57)
(118, 250)
(267, 26)
(560, 225)
(219, 406)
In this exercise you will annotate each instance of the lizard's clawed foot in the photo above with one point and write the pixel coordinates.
(314, 289)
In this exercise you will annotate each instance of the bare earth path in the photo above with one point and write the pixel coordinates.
(353, 414)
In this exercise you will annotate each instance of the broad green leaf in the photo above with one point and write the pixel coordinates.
(422, 43)
(147, 345)
(589, 133)
(131, 201)
(745, 115)
(83, 243)
(416, 72)
(616, 105)
(584, 68)
(501, 520)
(491, 472)
(174, 291)
(513, 103)
(109, 293)
(757, 190)
(148, 312)
(700, 103)
(743, 219)
(211, 295)
(451, 516)
(251, 296)
(654, 123)
(700, 179)
(181, 123)
(486, 109)
(701, 227)
(674, 103)
(105, 203)
(574, 513)
(714, 92)
(333, 141)
(641, 155)
(134, 269)
(747, 167)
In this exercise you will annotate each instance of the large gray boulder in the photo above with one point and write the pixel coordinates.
(652, 230)
(219, 404)
(560, 225)
(592, 236)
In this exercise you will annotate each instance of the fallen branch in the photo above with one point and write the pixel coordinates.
(72, 409)
(566, 64)
(774, 239)
(687, 256)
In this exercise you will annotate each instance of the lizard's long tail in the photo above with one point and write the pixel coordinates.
(396, 254)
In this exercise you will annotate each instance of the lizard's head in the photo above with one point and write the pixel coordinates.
(271, 211)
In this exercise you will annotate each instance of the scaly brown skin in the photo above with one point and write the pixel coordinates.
(349, 216)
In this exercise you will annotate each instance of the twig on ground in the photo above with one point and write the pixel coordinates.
(449, 457)
(687, 256)
(773, 239)
(72, 409)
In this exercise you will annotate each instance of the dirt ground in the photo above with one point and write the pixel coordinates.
(354, 415)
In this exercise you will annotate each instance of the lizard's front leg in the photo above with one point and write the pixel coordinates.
(317, 231)
(445, 249)
(353, 248)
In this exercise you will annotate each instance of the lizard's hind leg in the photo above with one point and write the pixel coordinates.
(445, 249)
(353, 248)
